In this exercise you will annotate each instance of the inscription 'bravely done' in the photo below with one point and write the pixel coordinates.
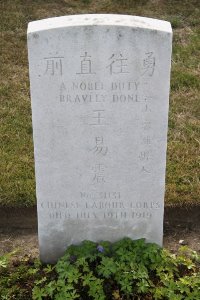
(74, 93)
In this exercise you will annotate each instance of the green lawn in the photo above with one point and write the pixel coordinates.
(17, 183)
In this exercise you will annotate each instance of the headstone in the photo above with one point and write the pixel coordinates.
(99, 91)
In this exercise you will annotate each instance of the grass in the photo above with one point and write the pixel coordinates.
(17, 183)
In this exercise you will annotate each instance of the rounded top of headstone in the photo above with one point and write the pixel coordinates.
(99, 19)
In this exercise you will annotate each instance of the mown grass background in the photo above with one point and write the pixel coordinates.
(17, 182)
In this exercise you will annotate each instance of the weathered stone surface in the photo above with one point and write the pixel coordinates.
(99, 91)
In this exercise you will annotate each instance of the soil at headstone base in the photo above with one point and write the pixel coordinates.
(18, 230)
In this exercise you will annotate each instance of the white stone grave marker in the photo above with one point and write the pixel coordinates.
(99, 91)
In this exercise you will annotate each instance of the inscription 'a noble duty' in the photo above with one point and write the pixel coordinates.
(99, 92)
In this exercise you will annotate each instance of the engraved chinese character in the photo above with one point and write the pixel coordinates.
(146, 125)
(149, 63)
(118, 64)
(146, 140)
(53, 66)
(100, 148)
(99, 176)
(144, 155)
(98, 117)
(147, 106)
(86, 64)
(145, 170)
